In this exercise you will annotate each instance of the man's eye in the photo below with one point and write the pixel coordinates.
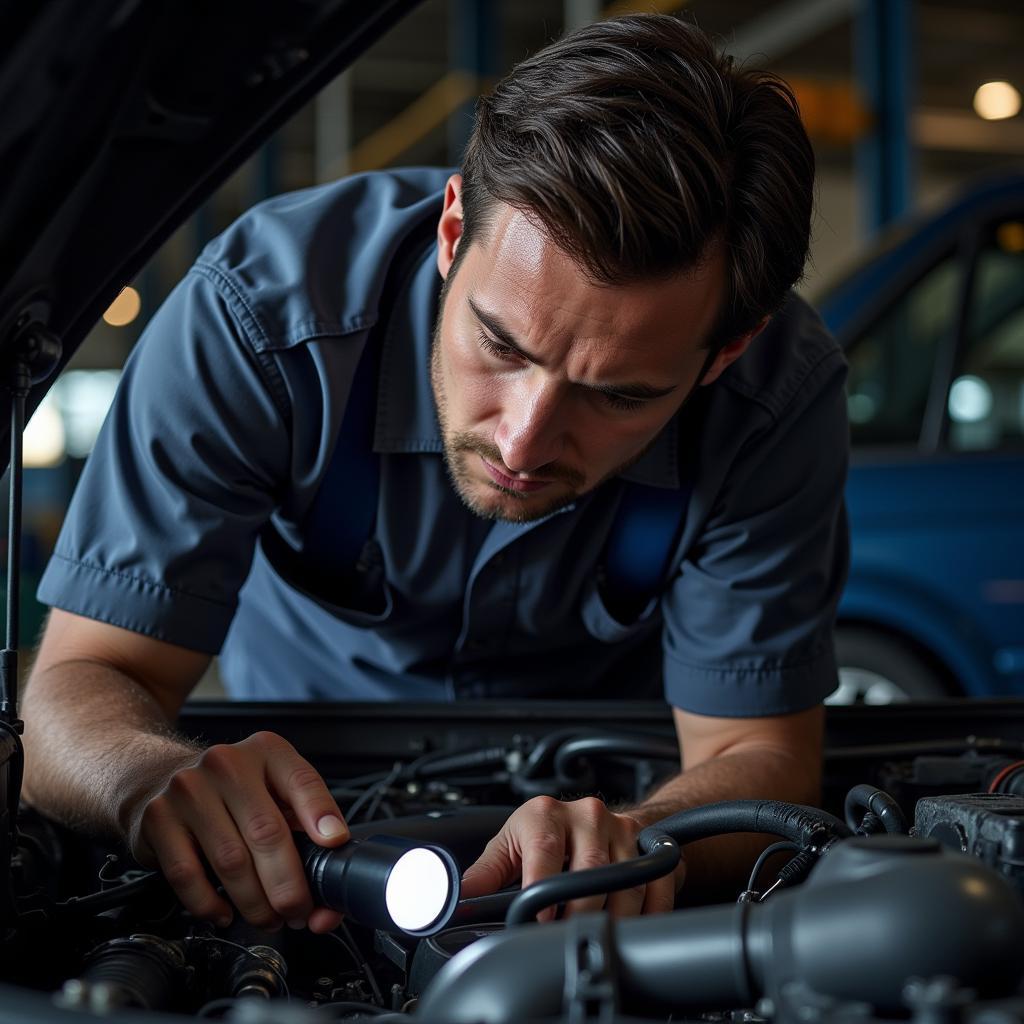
(623, 403)
(491, 347)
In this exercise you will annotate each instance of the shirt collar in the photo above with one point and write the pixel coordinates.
(406, 413)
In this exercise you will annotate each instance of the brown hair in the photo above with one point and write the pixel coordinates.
(636, 145)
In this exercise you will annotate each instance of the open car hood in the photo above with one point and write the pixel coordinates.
(118, 118)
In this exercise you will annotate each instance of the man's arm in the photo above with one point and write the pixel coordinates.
(101, 752)
(777, 757)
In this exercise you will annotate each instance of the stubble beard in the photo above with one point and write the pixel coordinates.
(460, 446)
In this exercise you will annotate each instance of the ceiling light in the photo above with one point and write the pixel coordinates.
(124, 309)
(970, 400)
(44, 438)
(995, 101)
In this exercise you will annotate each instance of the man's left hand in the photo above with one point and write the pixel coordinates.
(546, 836)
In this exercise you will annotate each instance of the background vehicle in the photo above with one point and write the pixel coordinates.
(933, 326)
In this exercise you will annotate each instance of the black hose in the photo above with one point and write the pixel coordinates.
(615, 746)
(661, 859)
(806, 826)
(865, 799)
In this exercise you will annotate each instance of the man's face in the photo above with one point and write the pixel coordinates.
(546, 383)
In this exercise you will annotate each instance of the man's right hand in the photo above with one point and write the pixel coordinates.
(236, 806)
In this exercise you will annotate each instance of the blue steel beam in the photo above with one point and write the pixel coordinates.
(475, 45)
(884, 59)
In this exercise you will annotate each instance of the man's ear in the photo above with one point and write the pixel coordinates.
(449, 227)
(730, 352)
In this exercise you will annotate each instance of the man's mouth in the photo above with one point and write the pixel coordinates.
(509, 483)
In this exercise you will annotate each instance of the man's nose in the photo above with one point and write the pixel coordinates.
(530, 434)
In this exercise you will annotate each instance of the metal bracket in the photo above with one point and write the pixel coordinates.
(591, 962)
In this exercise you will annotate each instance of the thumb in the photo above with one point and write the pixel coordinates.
(496, 867)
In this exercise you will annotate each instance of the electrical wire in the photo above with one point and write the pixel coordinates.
(108, 899)
(361, 961)
(763, 858)
(371, 792)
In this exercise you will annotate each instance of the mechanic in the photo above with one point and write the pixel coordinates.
(597, 307)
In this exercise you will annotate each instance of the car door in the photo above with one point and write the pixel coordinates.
(935, 600)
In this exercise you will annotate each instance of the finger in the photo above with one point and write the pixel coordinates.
(262, 824)
(296, 782)
(626, 902)
(175, 855)
(228, 855)
(540, 836)
(590, 840)
(660, 896)
(274, 855)
(323, 920)
(495, 868)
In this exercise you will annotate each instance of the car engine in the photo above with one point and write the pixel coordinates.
(900, 901)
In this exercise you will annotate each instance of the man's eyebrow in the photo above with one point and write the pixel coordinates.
(637, 389)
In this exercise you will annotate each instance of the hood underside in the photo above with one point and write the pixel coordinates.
(118, 118)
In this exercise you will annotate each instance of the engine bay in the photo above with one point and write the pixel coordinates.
(899, 899)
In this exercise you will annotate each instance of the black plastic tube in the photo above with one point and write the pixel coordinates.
(651, 748)
(874, 913)
(865, 799)
(806, 826)
(660, 860)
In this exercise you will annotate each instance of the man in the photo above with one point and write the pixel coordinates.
(614, 321)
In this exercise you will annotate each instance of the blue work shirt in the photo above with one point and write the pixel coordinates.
(226, 421)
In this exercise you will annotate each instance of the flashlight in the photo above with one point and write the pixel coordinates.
(387, 882)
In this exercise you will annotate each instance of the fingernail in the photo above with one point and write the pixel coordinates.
(330, 826)
(223, 922)
(297, 925)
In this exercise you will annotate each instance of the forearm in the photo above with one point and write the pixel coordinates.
(96, 741)
(746, 774)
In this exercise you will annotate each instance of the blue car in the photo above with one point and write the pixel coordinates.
(933, 326)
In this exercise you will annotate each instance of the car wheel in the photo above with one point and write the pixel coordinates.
(878, 669)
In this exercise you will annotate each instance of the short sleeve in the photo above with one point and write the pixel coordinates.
(160, 533)
(749, 620)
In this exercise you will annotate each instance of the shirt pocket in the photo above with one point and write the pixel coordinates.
(361, 597)
(603, 625)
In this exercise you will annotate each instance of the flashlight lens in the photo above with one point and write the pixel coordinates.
(417, 890)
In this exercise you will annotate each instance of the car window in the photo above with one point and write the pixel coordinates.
(986, 398)
(892, 363)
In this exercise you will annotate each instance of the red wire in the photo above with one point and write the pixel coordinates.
(994, 787)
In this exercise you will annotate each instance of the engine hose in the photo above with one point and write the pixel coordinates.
(613, 746)
(872, 914)
(141, 971)
(867, 799)
(806, 826)
(660, 860)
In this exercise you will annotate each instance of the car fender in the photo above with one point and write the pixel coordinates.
(897, 605)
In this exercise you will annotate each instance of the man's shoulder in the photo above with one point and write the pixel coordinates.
(312, 263)
(788, 362)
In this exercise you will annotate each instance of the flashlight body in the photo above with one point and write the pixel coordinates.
(353, 879)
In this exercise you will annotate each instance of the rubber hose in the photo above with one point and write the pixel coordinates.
(806, 826)
(864, 798)
(657, 862)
